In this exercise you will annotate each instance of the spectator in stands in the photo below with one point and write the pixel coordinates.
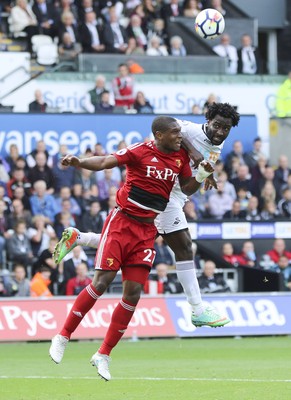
(93, 96)
(252, 157)
(65, 6)
(268, 194)
(156, 48)
(66, 194)
(238, 152)
(191, 8)
(284, 205)
(212, 98)
(45, 258)
(229, 52)
(252, 210)
(190, 211)
(279, 249)
(92, 38)
(151, 10)
(85, 188)
(159, 30)
(163, 282)
(286, 185)
(248, 255)
(142, 105)
(235, 214)
(257, 171)
(20, 280)
(105, 184)
(78, 256)
(12, 157)
(219, 202)
(242, 179)
(283, 171)
(123, 87)
(38, 105)
(8, 287)
(40, 282)
(5, 198)
(18, 213)
(133, 48)
(68, 50)
(172, 9)
(18, 180)
(41, 202)
(136, 30)
(40, 234)
(23, 19)
(79, 282)
(93, 220)
(229, 256)
(68, 25)
(211, 282)
(18, 245)
(217, 5)
(64, 220)
(163, 253)
(105, 106)
(284, 267)
(196, 109)
(3, 229)
(270, 211)
(46, 16)
(115, 36)
(268, 176)
(31, 157)
(41, 172)
(249, 60)
(283, 100)
(19, 194)
(177, 47)
(63, 177)
(228, 187)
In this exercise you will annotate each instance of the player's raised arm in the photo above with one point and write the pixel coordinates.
(194, 154)
(96, 163)
(191, 185)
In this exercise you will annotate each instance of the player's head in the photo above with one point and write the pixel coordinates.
(167, 133)
(221, 118)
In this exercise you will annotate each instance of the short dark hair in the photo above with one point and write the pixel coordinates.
(161, 123)
(224, 110)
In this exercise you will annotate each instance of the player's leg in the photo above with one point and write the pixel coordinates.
(71, 238)
(181, 244)
(83, 303)
(121, 317)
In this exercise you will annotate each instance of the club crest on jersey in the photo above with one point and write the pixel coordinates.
(178, 163)
(109, 261)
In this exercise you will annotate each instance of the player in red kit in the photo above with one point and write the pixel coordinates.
(128, 235)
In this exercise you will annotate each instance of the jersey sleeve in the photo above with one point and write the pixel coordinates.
(187, 130)
(129, 155)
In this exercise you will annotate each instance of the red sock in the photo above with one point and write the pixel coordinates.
(83, 303)
(120, 319)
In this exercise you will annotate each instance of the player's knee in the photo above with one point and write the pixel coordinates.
(184, 253)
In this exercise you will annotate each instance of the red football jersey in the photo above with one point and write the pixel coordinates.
(150, 177)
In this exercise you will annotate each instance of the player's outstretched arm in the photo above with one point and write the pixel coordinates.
(97, 163)
(191, 185)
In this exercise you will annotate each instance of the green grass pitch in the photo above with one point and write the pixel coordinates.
(162, 369)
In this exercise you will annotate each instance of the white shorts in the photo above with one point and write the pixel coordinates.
(172, 219)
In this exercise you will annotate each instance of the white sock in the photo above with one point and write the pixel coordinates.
(187, 276)
(89, 239)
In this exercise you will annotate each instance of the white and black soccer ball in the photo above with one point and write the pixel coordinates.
(209, 23)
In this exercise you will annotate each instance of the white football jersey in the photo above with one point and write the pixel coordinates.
(196, 135)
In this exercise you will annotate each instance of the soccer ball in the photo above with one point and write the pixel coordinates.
(209, 23)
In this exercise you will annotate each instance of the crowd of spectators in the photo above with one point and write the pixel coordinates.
(132, 27)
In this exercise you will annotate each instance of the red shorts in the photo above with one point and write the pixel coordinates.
(125, 244)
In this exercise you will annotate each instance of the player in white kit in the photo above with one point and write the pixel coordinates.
(203, 141)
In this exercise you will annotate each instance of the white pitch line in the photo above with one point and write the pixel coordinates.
(150, 379)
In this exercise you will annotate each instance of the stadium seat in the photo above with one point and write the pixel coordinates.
(40, 40)
(47, 54)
